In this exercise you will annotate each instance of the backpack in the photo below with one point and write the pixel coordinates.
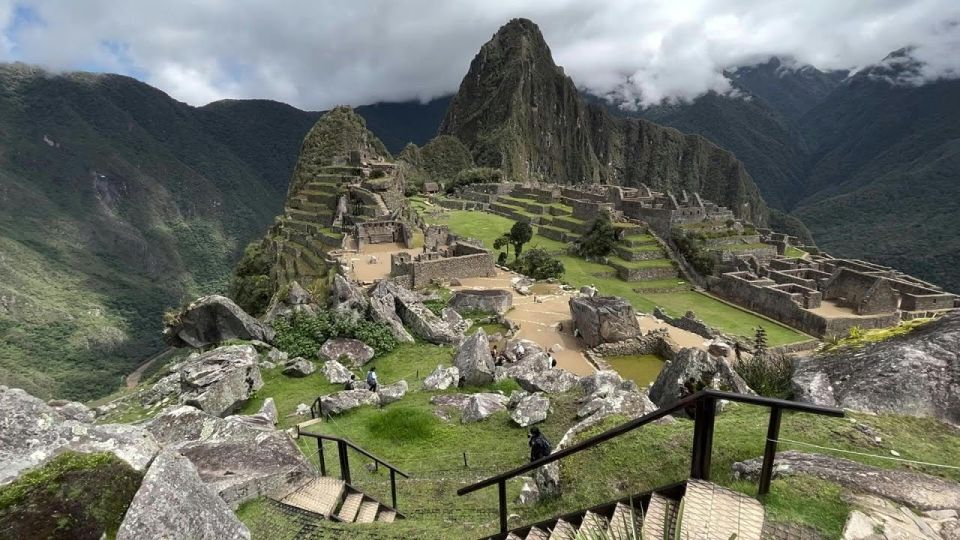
(371, 377)
(542, 446)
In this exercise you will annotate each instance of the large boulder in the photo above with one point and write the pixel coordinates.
(348, 299)
(874, 518)
(173, 502)
(916, 490)
(383, 310)
(210, 320)
(222, 380)
(346, 400)
(530, 409)
(442, 378)
(519, 349)
(603, 319)
(426, 324)
(550, 381)
(32, 432)
(601, 383)
(456, 322)
(356, 352)
(296, 300)
(496, 301)
(335, 372)
(474, 360)
(392, 392)
(917, 374)
(483, 405)
(617, 401)
(706, 370)
(240, 457)
(298, 367)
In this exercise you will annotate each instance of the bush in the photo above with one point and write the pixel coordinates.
(769, 375)
(303, 335)
(600, 239)
(538, 264)
(252, 287)
(502, 258)
(402, 425)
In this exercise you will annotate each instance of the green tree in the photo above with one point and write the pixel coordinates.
(600, 239)
(520, 234)
(539, 264)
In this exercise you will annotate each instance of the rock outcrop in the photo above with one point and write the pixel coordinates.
(173, 502)
(346, 400)
(348, 299)
(221, 380)
(530, 409)
(298, 367)
(874, 518)
(603, 319)
(383, 310)
(442, 378)
(354, 351)
(335, 372)
(210, 320)
(32, 432)
(296, 301)
(916, 490)
(395, 305)
(550, 381)
(474, 360)
(390, 393)
(707, 371)
(917, 374)
(483, 405)
(496, 301)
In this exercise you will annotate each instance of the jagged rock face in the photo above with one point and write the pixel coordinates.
(173, 502)
(347, 298)
(530, 409)
(913, 489)
(296, 301)
(481, 406)
(348, 399)
(474, 360)
(356, 352)
(383, 310)
(442, 378)
(603, 319)
(517, 110)
(221, 380)
(712, 371)
(917, 374)
(210, 320)
(32, 432)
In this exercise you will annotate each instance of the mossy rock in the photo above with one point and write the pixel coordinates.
(73, 496)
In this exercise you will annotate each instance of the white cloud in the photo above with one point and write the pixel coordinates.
(318, 54)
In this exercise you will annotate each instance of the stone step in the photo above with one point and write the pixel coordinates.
(350, 507)
(660, 517)
(368, 511)
(563, 531)
(537, 534)
(710, 512)
(512, 536)
(386, 515)
(304, 425)
(321, 496)
(625, 523)
(592, 526)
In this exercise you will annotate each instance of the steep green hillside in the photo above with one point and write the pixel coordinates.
(116, 202)
(516, 110)
(397, 124)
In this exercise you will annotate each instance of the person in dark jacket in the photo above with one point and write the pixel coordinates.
(539, 445)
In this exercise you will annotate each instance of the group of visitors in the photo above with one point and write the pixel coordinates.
(354, 384)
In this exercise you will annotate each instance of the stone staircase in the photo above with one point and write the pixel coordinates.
(697, 510)
(334, 499)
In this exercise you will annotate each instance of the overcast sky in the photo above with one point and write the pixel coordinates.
(318, 53)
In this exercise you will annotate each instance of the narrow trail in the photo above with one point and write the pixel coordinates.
(133, 379)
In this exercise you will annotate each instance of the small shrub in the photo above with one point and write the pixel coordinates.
(539, 264)
(402, 425)
(769, 375)
(303, 335)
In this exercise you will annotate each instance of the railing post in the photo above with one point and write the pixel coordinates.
(344, 461)
(502, 493)
(323, 461)
(770, 450)
(393, 487)
(706, 409)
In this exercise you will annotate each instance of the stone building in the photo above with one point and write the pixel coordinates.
(444, 257)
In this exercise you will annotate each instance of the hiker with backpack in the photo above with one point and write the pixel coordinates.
(539, 445)
(372, 379)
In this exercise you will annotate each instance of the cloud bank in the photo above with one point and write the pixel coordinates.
(318, 54)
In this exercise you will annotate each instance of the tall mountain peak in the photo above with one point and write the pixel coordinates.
(517, 110)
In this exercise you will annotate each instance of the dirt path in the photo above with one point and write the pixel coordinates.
(133, 379)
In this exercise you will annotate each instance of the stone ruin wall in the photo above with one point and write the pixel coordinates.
(465, 266)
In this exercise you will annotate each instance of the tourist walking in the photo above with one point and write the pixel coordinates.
(351, 384)
(539, 445)
(372, 379)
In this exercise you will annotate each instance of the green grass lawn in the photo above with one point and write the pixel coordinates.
(579, 272)
(795, 252)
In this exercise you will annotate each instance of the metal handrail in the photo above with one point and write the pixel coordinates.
(344, 458)
(705, 403)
